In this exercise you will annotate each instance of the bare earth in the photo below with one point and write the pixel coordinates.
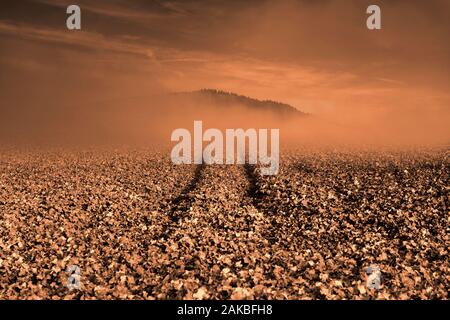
(141, 228)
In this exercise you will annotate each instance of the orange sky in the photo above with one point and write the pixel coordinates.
(316, 55)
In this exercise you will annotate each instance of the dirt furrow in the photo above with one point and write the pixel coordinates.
(218, 249)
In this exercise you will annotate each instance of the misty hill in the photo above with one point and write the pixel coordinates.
(224, 99)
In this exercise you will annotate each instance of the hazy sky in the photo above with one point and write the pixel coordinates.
(317, 55)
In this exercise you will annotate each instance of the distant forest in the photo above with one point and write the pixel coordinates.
(230, 98)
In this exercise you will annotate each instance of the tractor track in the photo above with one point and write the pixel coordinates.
(181, 204)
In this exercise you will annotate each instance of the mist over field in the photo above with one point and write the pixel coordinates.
(150, 121)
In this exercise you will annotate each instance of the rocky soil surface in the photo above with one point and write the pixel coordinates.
(139, 227)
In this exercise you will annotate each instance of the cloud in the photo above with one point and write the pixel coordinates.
(317, 55)
(85, 40)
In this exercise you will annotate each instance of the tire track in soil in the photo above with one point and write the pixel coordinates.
(256, 198)
(179, 206)
(286, 237)
(279, 221)
(253, 191)
(201, 248)
(224, 247)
